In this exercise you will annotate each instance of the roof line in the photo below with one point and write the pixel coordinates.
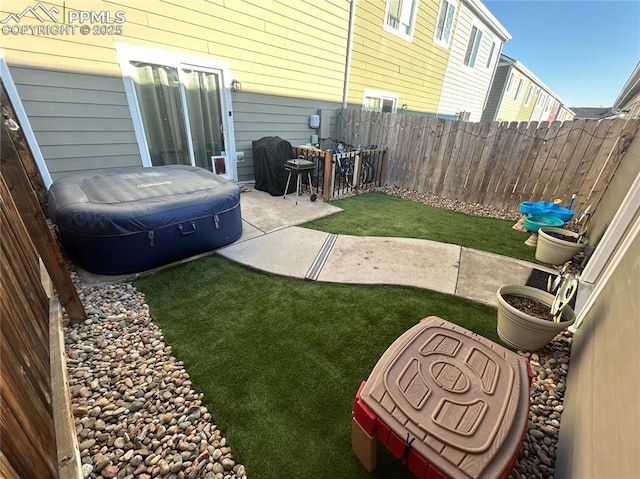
(483, 12)
(530, 74)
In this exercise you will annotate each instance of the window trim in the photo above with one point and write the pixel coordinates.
(382, 95)
(453, 4)
(491, 52)
(510, 81)
(127, 53)
(518, 89)
(397, 31)
(475, 47)
(529, 92)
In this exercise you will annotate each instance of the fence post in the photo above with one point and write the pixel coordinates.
(328, 176)
(357, 166)
(383, 167)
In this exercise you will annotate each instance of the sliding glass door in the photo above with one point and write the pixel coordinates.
(206, 129)
(182, 112)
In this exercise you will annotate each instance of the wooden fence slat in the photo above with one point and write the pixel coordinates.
(629, 128)
(434, 153)
(456, 172)
(544, 159)
(564, 147)
(526, 160)
(581, 162)
(512, 167)
(608, 138)
(425, 163)
(593, 163)
(418, 153)
(536, 157)
(35, 221)
(497, 174)
(482, 175)
(474, 152)
(26, 422)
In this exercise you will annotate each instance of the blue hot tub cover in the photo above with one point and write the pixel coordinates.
(123, 220)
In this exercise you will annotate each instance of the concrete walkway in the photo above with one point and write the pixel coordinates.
(272, 242)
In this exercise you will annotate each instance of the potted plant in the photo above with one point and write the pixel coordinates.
(557, 245)
(529, 318)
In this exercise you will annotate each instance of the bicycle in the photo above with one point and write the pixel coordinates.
(345, 166)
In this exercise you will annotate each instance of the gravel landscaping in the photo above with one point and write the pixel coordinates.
(138, 416)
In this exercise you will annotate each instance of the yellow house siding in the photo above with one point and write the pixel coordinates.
(383, 61)
(512, 109)
(273, 46)
(279, 50)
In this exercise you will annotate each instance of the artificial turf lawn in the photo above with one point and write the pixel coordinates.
(379, 214)
(279, 359)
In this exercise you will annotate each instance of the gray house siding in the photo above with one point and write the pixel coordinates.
(495, 93)
(258, 115)
(81, 121)
(601, 418)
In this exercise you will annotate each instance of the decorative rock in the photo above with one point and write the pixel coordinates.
(88, 444)
(86, 470)
(228, 463)
(110, 472)
(536, 433)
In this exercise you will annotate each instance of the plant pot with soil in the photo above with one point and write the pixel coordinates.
(556, 246)
(525, 317)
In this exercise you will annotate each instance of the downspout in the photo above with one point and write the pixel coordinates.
(347, 65)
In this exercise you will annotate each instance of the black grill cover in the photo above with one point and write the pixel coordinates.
(269, 156)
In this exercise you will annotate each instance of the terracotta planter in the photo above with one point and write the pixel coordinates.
(523, 331)
(556, 251)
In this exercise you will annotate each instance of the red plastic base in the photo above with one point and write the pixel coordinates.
(418, 465)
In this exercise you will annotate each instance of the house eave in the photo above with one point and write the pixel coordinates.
(487, 17)
(630, 89)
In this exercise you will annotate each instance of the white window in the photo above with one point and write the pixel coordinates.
(181, 109)
(515, 97)
(510, 81)
(379, 101)
(472, 47)
(400, 17)
(526, 102)
(490, 57)
(444, 24)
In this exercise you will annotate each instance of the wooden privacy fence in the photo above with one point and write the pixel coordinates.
(497, 164)
(36, 426)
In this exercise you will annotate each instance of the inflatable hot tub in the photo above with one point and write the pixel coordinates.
(128, 220)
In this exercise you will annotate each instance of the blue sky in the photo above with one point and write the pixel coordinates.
(583, 50)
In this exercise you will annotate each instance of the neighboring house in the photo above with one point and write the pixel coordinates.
(516, 94)
(475, 50)
(593, 113)
(565, 114)
(419, 56)
(628, 101)
(98, 84)
(397, 60)
(394, 63)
